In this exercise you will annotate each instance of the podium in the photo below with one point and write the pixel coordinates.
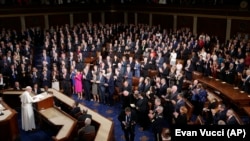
(43, 101)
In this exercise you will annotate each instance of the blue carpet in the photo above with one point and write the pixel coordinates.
(110, 112)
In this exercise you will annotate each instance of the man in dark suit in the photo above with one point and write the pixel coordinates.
(180, 102)
(230, 74)
(231, 120)
(126, 93)
(36, 89)
(222, 72)
(84, 115)
(220, 114)
(142, 109)
(118, 79)
(162, 87)
(87, 76)
(110, 87)
(246, 82)
(141, 85)
(128, 121)
(75, 109)
(188, 70)
(157, 122)
(13, 75)
(17, 86)
(88, 128)
(164, 70)
(101, 86)
(65, 82)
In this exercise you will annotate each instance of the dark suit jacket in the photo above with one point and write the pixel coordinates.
(75, 111)
(165, 72)
(111, 85)
(162, 90)
(178, 105)
(220, 116)
(131, 122)
(230, 76)
(181, 119)
(232, 121)
(222, 74)
(38, 91)
(141, 87)
(174, 96)
(157, 124)
(188, 72)
(84, 116)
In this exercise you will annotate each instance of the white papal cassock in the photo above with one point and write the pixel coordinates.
(28, 118)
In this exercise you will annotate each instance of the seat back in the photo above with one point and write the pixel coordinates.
(135, 81)
(152, 73)
(190, 108)
(89, 136)
(237, 117)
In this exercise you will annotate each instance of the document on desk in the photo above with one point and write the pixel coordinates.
(39, 97)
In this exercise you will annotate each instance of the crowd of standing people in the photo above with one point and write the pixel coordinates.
(96, 61)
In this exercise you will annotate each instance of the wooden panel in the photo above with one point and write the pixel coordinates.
(60, 20)
(131, 18)
(34, 21)
(111, 17)
(143, 18)
(81, 18)
(8, 124)
(240, 26)
(166, 21)
(45, 103)
(10, 23)
(96, 17)
(60, 118)
(185, 21)
(212, 26)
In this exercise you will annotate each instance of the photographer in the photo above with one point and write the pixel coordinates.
(128, 121)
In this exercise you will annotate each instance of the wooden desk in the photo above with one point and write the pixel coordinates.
(43, 101)
(59, 118)
(247, 110)
(45, 106)
(106, 129)
(8, 124)
(11, 97)
(226, 90)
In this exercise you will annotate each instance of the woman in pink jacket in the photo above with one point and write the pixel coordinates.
(78, 84)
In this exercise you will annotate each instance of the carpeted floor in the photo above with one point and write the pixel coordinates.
(110, 112)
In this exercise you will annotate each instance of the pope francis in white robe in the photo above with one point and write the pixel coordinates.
(28, 118)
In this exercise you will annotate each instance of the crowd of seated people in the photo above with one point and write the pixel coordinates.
(96, 61)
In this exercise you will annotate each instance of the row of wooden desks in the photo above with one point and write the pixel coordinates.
(106, 129)
(236, 96)
(45, 107)
(225, 90)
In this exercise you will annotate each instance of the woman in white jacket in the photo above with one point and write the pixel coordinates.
(173, 56)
